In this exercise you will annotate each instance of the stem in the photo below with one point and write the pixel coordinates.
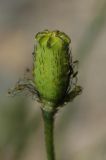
(48, 117)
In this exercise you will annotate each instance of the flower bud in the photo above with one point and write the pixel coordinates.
(52, 66)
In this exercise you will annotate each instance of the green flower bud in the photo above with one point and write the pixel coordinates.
(52, 66)
(54, 80)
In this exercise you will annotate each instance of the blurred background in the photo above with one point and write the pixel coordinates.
(80, 132)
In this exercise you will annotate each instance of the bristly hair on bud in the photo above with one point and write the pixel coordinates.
(54, 71)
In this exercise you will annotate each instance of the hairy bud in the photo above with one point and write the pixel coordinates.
(52, 65)
(54, 80)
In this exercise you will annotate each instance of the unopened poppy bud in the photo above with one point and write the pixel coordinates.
(54, 80)
(52, 66)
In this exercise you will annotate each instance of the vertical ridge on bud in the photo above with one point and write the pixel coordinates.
(52, 65)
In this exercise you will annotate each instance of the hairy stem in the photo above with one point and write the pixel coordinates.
(48, 118)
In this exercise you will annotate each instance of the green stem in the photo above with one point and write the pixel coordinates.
(48, 117)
